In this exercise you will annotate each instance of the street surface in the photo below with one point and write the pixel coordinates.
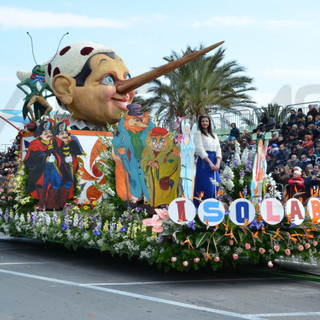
(44, 281)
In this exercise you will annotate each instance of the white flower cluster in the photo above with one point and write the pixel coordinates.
(147, 253)
(227, 177)
(272, 191)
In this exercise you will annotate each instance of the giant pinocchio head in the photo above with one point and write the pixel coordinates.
(94, 84)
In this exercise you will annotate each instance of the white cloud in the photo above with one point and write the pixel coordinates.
(13, 17)
(298, 73)
(225, 21)
(234, 21)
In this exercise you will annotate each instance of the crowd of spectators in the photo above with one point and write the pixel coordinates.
(293, 150)
(9, 161)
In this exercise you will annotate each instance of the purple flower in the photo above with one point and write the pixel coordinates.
(292, 224)
(242, 174)
(235, 162)
(160, 238)
(123, 229)
(64, 227)
(245, 191)
(256, 224)
(191, 224)
(97, 232)
(248, 167)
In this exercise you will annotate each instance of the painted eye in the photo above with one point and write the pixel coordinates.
(162, 140)
(128, 76)
(108, 79)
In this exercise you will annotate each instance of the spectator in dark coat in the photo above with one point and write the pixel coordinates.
(283, 154)
(280, 175)
(304, 161)
(312, 111)
(293, 161)
(292, 140)
(302, 132)
(301, 117)
(234, 132)
(274, 139)
(292, 118)
(271, 124)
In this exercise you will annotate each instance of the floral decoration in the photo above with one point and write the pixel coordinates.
(151, 236)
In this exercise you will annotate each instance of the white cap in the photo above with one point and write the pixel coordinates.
(71, 59)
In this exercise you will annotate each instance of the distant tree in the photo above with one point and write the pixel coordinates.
(279, 112)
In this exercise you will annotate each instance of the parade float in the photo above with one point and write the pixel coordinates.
(128, 190)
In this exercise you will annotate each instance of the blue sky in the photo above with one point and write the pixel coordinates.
(277, 41)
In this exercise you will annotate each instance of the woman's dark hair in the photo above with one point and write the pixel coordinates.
(209, 128)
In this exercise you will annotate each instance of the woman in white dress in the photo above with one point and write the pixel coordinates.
(207, 147)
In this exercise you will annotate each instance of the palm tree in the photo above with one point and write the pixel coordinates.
(201, 86)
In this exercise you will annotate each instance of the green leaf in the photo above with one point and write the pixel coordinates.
(201, 239)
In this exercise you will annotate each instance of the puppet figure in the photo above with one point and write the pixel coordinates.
(69, 149)
(128, 144)
(43, 161)
(187, 159)
(161, 164)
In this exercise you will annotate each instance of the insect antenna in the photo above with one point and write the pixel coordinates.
(32, 48)
(57, 49)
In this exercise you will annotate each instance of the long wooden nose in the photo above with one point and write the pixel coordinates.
(136, 82)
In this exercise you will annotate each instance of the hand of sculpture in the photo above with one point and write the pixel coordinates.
(51, 158)
(68, 159)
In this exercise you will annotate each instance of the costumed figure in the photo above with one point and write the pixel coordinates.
(161, 163)
(128, 143)
(69, 148)
(35, 82)
(187, 159)
(259, 173)
(43, 161)
(208, 149)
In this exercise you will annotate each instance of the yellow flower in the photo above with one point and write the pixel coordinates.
(119, 226)
(106, 226)
(85, 207)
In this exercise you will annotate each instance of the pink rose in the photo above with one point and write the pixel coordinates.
(276, 248)
(300, 247)
(173, 259)
(216, 259)
(307, 245)
(315, 243)
(196, 260)
(262, 250)
(247, 246)
(231, 242)
(270, 264)
(235, 256)
(185, 263)
(287, 252)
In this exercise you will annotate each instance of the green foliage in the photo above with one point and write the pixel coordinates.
(201, 86)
